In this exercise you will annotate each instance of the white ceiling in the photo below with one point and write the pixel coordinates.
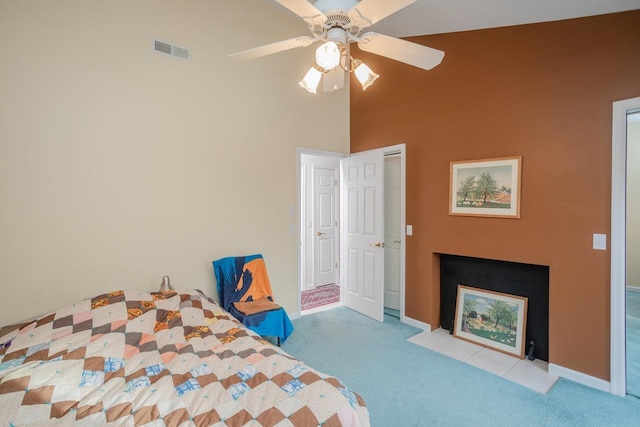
(446, 16)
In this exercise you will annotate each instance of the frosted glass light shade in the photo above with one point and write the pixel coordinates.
(365, 75)
(328, 55)
(311, 80)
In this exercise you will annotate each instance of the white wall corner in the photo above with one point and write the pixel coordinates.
(294, 316)
(580, 378)
(416, 323)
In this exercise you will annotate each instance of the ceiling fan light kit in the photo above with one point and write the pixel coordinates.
(328, 55)
(311, 80)
(338, 23)
(364, 74)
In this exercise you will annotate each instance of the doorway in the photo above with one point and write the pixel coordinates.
(394, 210)
(632, 293)
(393, 234)
(319, 230)
(625, 330)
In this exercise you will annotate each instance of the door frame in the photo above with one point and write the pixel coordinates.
(393, 149)
(401, 150)
(299, 226)
(401, 230)
(618, 369)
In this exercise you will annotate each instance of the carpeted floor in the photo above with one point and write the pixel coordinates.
(633, 303)
(633, 343)
(407, 385)
(322, 295)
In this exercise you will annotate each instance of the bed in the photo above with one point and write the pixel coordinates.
(177, 358)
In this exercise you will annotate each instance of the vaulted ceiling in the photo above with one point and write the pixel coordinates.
(445, 16)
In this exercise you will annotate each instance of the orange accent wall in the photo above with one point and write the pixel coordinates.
(540, 91)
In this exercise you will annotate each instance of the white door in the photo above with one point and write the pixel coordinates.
(325, 224)
(363, 233)
(392, 231)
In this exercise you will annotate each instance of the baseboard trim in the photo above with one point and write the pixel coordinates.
(580, 378)
(321, 308)
(416, 323)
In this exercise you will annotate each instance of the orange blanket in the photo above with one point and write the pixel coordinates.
(259, 286)
(257, 306)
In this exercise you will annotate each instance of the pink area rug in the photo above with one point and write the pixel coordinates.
(321, 295)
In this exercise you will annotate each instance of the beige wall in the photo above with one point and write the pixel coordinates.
(119, 166)
(633, 202)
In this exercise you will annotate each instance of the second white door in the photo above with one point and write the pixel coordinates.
(325, 224)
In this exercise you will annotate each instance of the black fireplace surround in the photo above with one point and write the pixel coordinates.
(526, 280)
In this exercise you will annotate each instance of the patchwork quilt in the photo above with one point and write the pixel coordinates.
(133, 358)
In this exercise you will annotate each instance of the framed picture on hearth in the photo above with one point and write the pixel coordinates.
(491, 319)
(489, 187)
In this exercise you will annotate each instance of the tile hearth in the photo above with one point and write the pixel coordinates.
(532, 374)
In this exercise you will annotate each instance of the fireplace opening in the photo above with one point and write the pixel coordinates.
(526, 280)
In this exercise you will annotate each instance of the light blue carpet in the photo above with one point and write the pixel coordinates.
(407, 385)
(633, 356)
(633, 343)
(633, 303)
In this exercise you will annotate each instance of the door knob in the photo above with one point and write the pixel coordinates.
(377, 244)
(319, 233)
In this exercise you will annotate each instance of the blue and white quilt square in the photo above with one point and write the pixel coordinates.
(297, 370)
(353, 401)
(154, 370)
(200, 370)
(142, 381)
(293, 386)
(238, 390)
(187, 386)
(247, 372)
(112, 364)
(91, 378)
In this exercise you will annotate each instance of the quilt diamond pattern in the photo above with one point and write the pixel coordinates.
(136, 358)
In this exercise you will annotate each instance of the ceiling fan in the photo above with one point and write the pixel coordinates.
(338, 23)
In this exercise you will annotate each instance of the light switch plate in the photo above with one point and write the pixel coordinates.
(409, 230)
(600, 242)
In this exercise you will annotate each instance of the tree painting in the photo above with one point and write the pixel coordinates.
(466, 188)
(495, 320)
(501, 312)
(487, 187)
(484, 186)
(469, 306)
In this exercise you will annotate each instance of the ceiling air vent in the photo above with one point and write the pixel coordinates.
(171, 50)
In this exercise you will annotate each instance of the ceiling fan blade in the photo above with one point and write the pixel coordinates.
(401, 50)
(269, 49)
(371, 11)
(305, 10)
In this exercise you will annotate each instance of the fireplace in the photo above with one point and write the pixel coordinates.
(527, 280)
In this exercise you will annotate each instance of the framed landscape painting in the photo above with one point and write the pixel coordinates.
(489, 187)
(491, 319)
